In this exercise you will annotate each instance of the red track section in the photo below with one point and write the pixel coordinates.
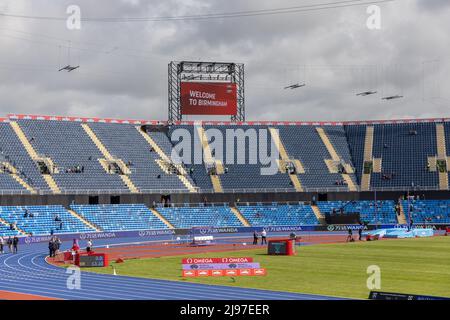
(6, 295)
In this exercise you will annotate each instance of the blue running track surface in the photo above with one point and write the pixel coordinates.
(28, 272)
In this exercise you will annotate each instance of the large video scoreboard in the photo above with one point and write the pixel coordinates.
(206, 89)
(203, 98)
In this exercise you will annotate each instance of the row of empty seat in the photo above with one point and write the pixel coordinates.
(5, 231)
(427, 211)
(45, 220)
(120, 217)
(372, 212)
(203, 216)
(403, 150)
(278, 214)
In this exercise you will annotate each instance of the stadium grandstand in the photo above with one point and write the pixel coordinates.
(216, 150)
(76, 175)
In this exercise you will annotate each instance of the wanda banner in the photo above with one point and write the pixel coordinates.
(203, 98)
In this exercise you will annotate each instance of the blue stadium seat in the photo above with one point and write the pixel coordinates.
(278, 214)
(120, 217)
(125, 142)
(68, 145)
(427, 211)
(43, 220)
(372, 212)
(202, 216)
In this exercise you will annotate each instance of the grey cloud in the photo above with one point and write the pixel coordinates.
(123, 69)
(434, 4)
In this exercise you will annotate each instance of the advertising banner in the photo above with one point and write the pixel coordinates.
(152, 234)
(144, 234)
(204, 98)
(224, 272)
(216, 260)
(219, 266)
(377, 295)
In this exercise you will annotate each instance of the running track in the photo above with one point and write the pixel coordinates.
(27, 272)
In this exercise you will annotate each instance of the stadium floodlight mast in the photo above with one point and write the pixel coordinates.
(212, 72)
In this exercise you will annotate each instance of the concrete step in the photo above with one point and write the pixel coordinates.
(162, 218)
(51, 183)
(86, 222)
(402, 217)
(239, 215)
(23, 183)
(6, 224)
(165, 159)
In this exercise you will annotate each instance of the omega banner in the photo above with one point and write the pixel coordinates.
(207, 98)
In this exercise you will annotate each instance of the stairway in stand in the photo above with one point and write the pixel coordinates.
(285, 159)
(335, 158)
(165, 161)
(210, 161)
(442, 156)
(110, 159)
(34, 156)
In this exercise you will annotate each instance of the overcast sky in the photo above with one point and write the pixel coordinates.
(123, 66)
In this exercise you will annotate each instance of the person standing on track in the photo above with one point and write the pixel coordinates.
(89, 246)
(57, 245)
(2, 243)
(264, 236)
(51, 247)
(15, 244)
(350, 235)
(255, 237)
(9, 243)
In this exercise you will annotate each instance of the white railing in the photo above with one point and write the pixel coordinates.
(211, 191)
